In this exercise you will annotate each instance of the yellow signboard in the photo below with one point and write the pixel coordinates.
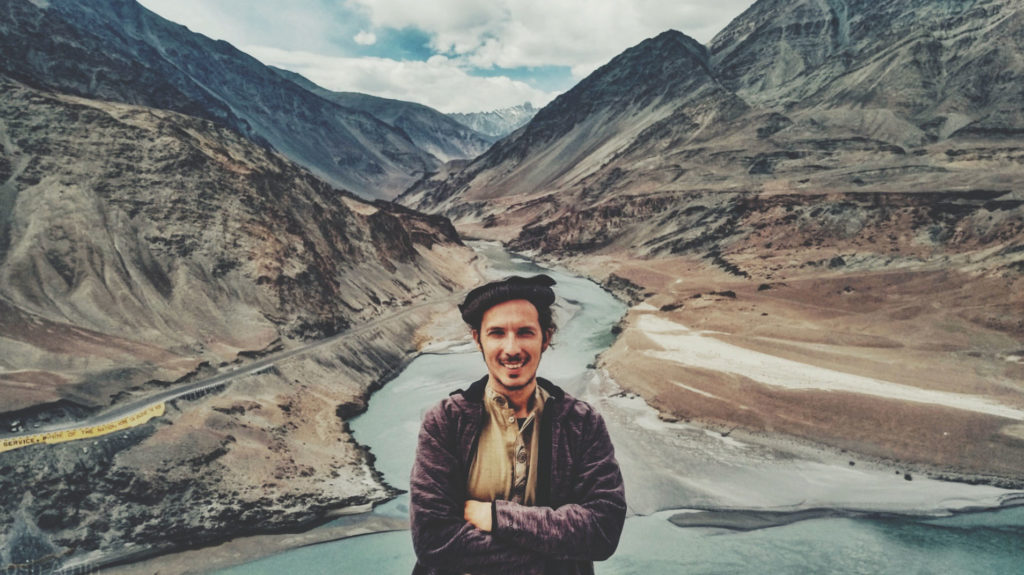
(131, 420)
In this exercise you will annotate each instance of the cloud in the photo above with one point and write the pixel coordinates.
(364, 38)
(580, 34)
(440, 82)
(312, 25)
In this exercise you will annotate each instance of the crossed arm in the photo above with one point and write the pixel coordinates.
(453, 533)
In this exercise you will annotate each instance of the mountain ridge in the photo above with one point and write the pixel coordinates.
(571, 137)
(940, 62)
(152, 217)
(118, 50)
(725, 120)
(428, 129)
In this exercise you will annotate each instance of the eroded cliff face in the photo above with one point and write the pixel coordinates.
(942, 66)
(140, 247)
(740, 232)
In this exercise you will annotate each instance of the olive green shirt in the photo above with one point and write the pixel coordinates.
(505, 464)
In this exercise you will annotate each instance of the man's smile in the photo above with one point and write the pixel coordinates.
(513, 363)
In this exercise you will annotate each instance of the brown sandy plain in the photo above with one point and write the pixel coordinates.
(932, 328)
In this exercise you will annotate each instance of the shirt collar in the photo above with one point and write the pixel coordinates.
(499, 402)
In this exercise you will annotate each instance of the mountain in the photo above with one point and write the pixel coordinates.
(156, 230)
(429, 129)
(169, 240)
(858, 109)
(140, 247)
(497, 123)
(939, 65)
(577, 132)
(659, 93)
(117, 50)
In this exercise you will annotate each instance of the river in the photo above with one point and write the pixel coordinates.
(902, 527)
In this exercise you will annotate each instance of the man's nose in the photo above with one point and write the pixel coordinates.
(512, 346)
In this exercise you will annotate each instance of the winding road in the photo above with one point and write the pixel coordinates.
(138, 411)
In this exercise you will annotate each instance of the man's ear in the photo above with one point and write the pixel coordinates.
(476, 338)
(548, 334)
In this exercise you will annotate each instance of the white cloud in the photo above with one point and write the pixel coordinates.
(439, 82)
(365, 38)
(432, 16)
(204, 18)
(582, 34)
(308, 25)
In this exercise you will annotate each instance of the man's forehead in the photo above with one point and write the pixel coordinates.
(517, 311)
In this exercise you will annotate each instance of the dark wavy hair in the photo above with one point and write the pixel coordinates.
(536, 290)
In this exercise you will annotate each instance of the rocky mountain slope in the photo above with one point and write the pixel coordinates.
(143, 237)
(797, 107)
(153, 231)
(944, 67)
(117, 50)
(140, 247)
(429, 129)
(497, 123)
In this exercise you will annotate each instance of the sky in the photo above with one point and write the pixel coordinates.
(452, 55)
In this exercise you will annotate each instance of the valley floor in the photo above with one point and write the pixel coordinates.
(833, 392)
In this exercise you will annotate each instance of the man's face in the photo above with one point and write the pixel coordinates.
(512, 343)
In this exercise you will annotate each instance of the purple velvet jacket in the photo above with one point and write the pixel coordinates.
(581, 500)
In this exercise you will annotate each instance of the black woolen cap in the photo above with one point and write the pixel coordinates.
(536, 290)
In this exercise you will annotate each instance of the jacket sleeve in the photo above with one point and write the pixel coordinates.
(588, 528)
(441, 537)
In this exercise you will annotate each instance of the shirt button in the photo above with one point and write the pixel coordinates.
(521, 457)
(511, 419)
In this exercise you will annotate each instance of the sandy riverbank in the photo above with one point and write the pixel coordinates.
(917, 369)
(679, 465)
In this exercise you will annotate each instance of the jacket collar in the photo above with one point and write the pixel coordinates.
(475, 392)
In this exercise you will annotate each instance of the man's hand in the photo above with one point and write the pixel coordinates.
(478, 513)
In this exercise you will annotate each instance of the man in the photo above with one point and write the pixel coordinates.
(513, 475)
